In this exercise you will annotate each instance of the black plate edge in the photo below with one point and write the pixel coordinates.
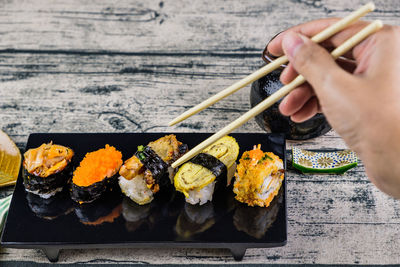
(144, 245)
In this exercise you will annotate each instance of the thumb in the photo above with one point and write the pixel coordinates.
(313, 62)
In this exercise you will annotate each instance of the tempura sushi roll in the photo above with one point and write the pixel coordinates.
(144, 173)
(47, 169)
(97, 172)
(196, 179)
(258, 177)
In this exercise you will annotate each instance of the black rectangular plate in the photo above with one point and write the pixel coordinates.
(166, 222)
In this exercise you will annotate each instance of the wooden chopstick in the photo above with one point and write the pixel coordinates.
(339, 51)
(323, 35)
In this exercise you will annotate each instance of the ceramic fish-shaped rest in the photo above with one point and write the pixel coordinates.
(337, 162)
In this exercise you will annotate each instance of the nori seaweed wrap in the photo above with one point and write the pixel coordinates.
(47, 169)
(87, 194)
(96, 174)
(152, 162)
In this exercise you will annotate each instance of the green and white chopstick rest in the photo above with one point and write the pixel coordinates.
(336, 162)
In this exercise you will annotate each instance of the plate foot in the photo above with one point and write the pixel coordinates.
(238, 253)
(51, 253)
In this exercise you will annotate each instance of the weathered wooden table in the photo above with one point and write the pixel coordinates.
(132, 66)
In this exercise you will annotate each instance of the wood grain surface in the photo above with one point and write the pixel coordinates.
(132, 66)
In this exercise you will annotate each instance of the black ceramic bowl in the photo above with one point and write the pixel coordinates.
(273, 121)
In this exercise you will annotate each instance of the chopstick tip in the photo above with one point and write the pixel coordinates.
(370, 6)
(174, 165)
(173, 122)
(178, 119)
(379, 23)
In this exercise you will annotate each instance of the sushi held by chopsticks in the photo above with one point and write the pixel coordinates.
(47, 169)
(96, 173)
(259, 177)
(142, 174)
(196, 179)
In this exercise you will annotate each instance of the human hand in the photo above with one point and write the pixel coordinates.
(359, 96)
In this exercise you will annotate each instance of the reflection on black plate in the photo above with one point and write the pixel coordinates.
(106, 209)
(255, 221)
(136, 215)
(194, 219)
(50, 208)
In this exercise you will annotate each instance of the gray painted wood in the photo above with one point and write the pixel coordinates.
(142, 26)
(132, 66)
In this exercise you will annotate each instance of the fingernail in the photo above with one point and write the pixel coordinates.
(291, 43)
(283, 102)
(282, 105)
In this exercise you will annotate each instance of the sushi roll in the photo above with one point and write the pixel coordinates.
(97, 173)
(258, 177)
(47, 169)
(143, 173)
(196, 179)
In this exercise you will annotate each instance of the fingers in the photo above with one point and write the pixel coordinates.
(311, 28)
(313, 62)
(307, 112)
(295, 101)
(328, 80)
(308, 29)
(374, 50)
(289, 73)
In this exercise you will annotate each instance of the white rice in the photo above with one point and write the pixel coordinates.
(136, 189)
(273, 181)
(201, 196)
(266, 192)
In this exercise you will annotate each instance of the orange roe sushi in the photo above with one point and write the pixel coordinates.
(258, 177)
(96, 172)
